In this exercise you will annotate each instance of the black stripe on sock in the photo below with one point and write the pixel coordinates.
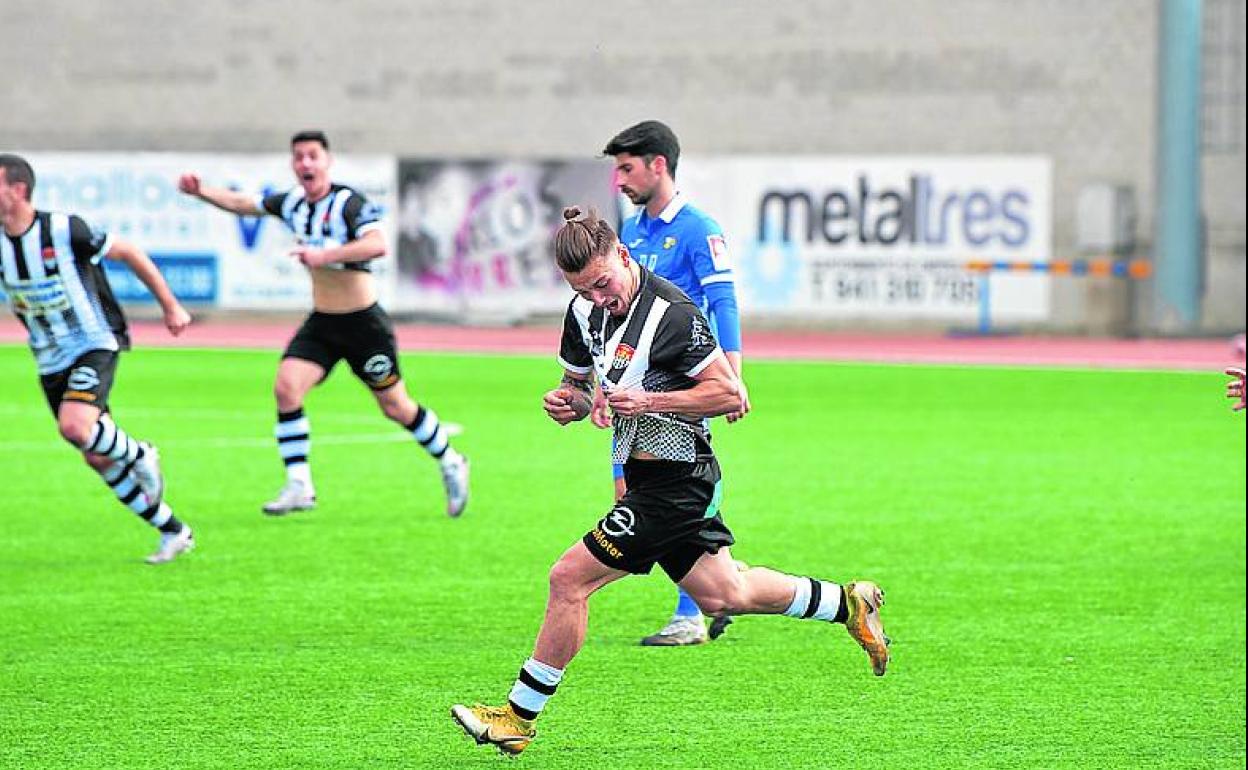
(417, 420)
(842, 609)
(295, 459)
(150, 513)
(522, 712)
(288, 416)
(173, 526)
(129, 498)
(295, 437)
(530, 681)
(815, 595)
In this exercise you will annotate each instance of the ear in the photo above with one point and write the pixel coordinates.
(660, 164)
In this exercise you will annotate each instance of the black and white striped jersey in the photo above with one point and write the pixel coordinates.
(338, 218)
(660, 346)
(58, 290)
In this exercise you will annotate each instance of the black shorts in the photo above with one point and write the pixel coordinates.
(87, 380)
(365, 338)
(669, 516)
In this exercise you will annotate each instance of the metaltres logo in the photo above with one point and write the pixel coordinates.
(920, 213)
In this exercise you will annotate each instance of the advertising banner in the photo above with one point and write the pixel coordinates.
(207, 255)
(885, 238)
(475, 237)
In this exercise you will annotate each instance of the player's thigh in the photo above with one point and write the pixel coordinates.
(371, 350)
(713, 579)
(296, 376)
(579, 572)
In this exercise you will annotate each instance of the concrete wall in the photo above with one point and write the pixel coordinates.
(1069, 79)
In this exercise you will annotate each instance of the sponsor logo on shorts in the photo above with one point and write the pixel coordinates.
(83, 378)
(78, 395)
(619, 522)
(380, 369)
(606, 545)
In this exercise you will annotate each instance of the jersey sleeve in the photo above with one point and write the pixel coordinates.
(684, 342)
(361, 215)
(88, 243)
(712, 266)
(271, 203)
(574, 354)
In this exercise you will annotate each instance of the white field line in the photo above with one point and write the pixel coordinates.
(240, 442)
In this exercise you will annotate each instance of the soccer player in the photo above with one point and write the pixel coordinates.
(675, 240)
(50, 270)
(654, 355)
(339, 233)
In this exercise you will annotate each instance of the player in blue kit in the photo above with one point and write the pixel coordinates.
(675, 240)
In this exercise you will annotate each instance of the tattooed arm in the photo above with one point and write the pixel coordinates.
(572, 400)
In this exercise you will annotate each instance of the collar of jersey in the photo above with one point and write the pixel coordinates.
(668, 213)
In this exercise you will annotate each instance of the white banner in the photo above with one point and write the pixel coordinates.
(208, 256)
(883, 238)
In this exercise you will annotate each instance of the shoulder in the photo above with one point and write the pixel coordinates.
(670, 293)
(696, 222)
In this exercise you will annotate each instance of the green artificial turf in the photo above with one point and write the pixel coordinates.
(1062, 550)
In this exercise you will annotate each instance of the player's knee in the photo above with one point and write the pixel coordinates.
(566, 582)
(401, 410)
(76, 432)
(287, 394)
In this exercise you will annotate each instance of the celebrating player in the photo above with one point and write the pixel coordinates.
(339, 234)
(654, 355)
(50, 270)
(675, 240)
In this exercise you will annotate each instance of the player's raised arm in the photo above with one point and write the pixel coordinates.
(225, 199)
(572, 400)
(176, 317)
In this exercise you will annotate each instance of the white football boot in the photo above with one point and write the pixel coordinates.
(173, 545)
(455, 479)
(678, 632)
(294, 496)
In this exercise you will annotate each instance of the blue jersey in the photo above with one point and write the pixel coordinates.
(687, 247)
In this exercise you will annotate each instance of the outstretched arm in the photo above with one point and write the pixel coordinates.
(176, 317)
(232, 201)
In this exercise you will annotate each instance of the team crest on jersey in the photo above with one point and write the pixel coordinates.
(623, 356)
(669, 242)
(49, 258)
(719, 252)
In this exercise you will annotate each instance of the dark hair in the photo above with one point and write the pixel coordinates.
(310, 136)
(16, 169)
(582, 238)
(646, 140)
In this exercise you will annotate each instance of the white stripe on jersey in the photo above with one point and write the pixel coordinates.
(717, 278)
(32, 246)
(338, 225)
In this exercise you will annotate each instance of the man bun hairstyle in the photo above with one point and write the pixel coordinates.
(17, 169)
(647, 139)
(310, 136)
(581, 238)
